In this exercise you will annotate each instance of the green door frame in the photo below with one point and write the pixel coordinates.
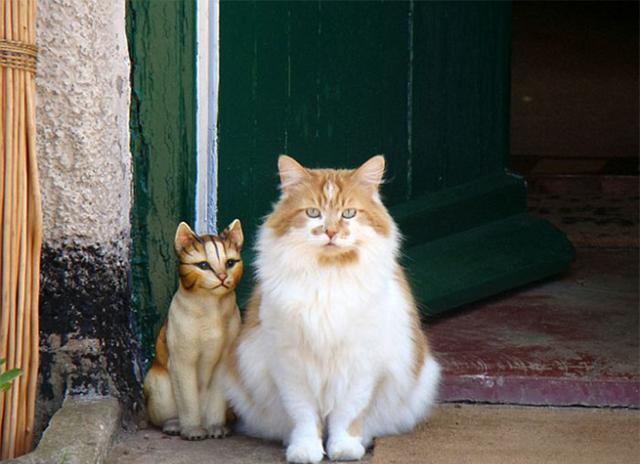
(162, 47)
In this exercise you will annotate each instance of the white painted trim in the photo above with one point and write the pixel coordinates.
(207, 76)
(214, 73)
(202, 114)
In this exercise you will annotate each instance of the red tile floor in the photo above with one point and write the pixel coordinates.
(570, 340)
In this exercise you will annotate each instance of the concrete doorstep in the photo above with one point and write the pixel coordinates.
(456, 434)
(84, 429)
(80, 432)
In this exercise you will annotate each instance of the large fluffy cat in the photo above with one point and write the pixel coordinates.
(184, 387)
(332, 346)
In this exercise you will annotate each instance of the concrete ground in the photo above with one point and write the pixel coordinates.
(486, 434)
(456, 434)
(151, 446)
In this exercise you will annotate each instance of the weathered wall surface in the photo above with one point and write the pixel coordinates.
(88, 336)
(83, 116)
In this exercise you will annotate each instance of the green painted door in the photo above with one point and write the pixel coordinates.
(426, 84)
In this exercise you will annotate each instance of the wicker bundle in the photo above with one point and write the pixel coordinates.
(21, 229)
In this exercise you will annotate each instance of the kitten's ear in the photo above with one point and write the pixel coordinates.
(184, 237)
(291, 172)
(234, 234)
(371, 172)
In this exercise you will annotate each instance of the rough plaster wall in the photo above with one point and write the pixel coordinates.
(88, 338)
(83, 117)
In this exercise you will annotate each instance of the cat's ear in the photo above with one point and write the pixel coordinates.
(234, 234)
(371, 172)
(184, 237)
(291, 172)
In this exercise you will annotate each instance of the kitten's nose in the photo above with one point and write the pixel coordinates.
(331, 233)
(222, 276)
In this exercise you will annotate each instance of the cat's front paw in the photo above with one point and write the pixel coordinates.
(305, 451)
(194, 433)
(171, 427)
(345, 448)
(218, 431)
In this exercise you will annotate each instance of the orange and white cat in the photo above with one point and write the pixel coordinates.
(184, 387)
(332, 352)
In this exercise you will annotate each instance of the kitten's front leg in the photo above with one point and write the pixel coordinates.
(185, 387)
(346, 421)
(305, 441)
(216, 405)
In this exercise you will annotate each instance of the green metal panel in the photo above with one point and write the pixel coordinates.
(425, 83)
(162, 49)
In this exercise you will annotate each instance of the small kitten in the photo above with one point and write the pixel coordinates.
(184, 387)
(332, 347)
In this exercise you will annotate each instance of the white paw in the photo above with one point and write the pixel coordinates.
(345, 448)
(218, 431)
(171, 427)
(193, 433)
(307, 451)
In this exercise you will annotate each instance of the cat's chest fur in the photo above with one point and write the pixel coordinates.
(326, 309)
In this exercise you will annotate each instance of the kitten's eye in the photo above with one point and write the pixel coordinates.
(203, 265)
(231, 262)
(349, 213)
(313, 212)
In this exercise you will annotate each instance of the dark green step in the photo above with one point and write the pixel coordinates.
(436, 215)
(485, 260)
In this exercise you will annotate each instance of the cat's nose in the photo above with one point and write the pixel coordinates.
(222, 276)
(330, 233)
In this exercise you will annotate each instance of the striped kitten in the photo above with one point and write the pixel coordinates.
(184, 387)
(331, 353)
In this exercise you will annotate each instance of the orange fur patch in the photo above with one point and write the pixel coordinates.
(161, 359)
(341, 259)
(252, 317)
(418, 338)
(357, 426)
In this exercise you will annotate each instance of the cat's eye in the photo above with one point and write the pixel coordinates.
(349, 213)
(313, 212)
(203, 265)
(231, 262)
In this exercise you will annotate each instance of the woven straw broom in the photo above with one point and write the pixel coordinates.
(21, 229)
